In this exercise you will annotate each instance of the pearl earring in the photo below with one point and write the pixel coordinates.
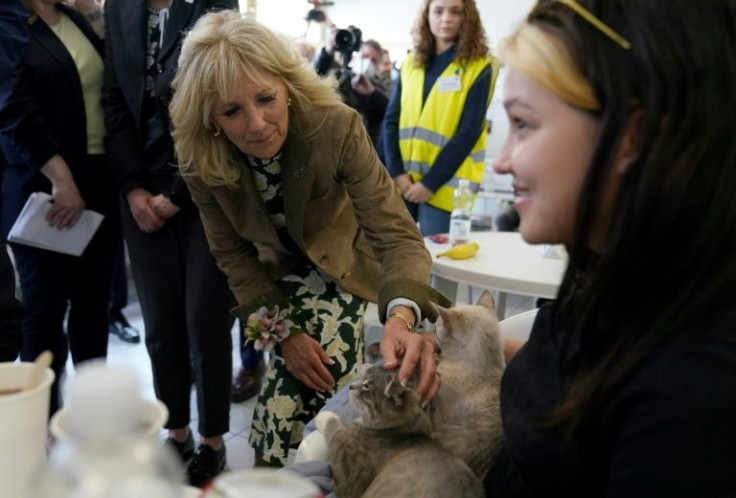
(217, 133)
(288, 101)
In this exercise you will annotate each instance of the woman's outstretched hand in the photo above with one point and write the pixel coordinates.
(305, 359)
(409, 351)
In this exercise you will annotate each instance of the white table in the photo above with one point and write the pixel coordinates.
(504, 263)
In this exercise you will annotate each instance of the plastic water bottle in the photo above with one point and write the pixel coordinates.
(462, 203)
(108, 452)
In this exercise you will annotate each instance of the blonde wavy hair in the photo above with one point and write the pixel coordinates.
(221, 49)
(546, 60)
(471, 43)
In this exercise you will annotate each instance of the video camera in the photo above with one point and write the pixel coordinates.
(347, 41)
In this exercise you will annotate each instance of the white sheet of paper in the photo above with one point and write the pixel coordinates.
(32, 229)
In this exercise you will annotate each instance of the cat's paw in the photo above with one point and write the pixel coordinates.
(323, 418)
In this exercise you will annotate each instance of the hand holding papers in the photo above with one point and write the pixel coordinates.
(32, 229)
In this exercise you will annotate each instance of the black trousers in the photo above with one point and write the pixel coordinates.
(11, 310)
(53, 283)
(185, 303)
(119, 285)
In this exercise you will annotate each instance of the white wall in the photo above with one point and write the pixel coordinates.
(286, 16)
(387, 21)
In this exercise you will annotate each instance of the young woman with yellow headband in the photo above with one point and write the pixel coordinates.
(621, 147)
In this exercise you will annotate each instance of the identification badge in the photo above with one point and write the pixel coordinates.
(448, 84)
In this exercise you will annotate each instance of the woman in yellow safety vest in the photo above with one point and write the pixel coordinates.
(434, 129)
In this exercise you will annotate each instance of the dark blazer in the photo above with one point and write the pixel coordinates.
(44, 116)
(14, 29)
(342, 209)
(123, 90)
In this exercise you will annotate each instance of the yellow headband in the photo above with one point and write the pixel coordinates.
(585, 14)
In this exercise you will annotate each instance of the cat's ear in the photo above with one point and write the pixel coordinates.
(441, 313)
(361, 369)
(486, 299)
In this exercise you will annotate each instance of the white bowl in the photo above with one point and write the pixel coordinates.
(154, 414)
(23, 417)
(258, 482)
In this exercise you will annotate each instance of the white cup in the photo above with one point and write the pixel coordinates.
(263, 483)
(153, 414)
(23, 417)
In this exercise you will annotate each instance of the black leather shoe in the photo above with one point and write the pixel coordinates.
(247, 383)
(206, 465)
(125, 332)
(185, 449)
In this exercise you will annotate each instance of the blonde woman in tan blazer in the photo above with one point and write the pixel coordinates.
(302, 218)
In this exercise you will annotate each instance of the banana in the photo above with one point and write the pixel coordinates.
(463, 251)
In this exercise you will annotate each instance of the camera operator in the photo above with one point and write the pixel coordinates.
(367, 92)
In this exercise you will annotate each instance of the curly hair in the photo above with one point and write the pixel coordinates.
(471, 43)
(221, 49)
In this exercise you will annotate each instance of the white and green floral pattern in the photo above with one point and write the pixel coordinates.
(327, 313)
(285, 405)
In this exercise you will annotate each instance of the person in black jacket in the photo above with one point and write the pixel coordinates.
(119, 325)
(52, 137)
(366, 92)
(184, 297)
(14, 26)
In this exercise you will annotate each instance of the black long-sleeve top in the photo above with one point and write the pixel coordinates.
(668, 431)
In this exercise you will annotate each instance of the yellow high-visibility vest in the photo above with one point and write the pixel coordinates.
(425, 130)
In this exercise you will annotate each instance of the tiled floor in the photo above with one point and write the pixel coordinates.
(240, 454)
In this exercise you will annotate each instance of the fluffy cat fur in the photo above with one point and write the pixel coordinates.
(388, 451)
(465, 414)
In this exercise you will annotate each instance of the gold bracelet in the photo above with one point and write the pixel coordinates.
(409, 324)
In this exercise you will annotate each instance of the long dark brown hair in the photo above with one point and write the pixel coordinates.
(668, 269)
(471, 42)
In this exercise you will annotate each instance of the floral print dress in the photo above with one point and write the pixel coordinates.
(325, 312)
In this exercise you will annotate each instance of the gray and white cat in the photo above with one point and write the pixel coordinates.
(388, 451)
(465, 414)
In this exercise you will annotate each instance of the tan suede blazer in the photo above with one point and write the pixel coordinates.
(342, 209)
